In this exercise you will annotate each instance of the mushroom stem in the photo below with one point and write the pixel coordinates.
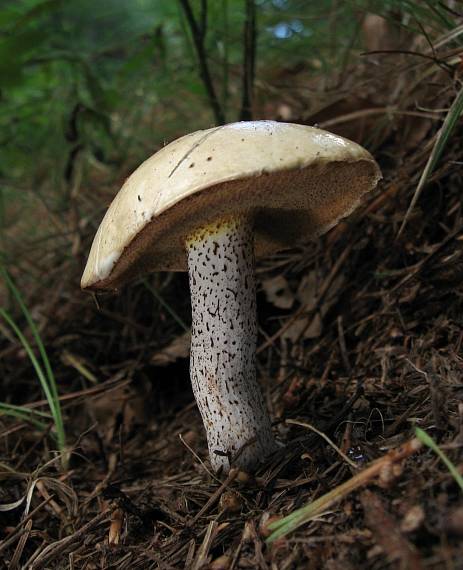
(223, 344)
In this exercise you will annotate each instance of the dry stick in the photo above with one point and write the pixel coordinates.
(236, 556)
(107, 386)
(326, 438)
(343, 347)
(305, 514)
(205, 546)
(61, 546)
(355, 115)
(57, 509)
(249, 61)
(196, 456)
(215, 496)
(19, 531)
(20, 546)
(440, 62)
(419, 266)
(198, 34)
(286, 454)
(190, 554)
(175, 554)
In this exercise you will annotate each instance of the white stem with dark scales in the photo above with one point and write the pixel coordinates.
(223, 344)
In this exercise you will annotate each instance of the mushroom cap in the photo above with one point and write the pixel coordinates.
(295, 181)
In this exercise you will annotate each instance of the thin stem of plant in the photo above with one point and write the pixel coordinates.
(198, 33)
(303, 515)
(326, 438)
(249, 61)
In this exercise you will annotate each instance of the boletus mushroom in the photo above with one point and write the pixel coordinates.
(209, 203)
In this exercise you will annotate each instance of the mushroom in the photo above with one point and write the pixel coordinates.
(208, 203)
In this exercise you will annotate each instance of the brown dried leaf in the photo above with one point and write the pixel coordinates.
(311, 326)
(108, 407)
(178, 348)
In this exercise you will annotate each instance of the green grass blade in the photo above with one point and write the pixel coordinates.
(52, 402)
(51, 392)
(307, 513)
(427, 440)
(30, 353)
(301, 516)
(18, 297)
(23, 414)
(443, 137)
(23, 409)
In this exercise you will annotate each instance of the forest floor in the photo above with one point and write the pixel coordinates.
(360, 337)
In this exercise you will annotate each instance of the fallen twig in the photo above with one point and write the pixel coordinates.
(299, 517)
(59, 547)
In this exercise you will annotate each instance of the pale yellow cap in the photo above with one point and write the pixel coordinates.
(295, 181)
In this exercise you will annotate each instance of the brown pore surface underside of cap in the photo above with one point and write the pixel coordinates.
(287, 207)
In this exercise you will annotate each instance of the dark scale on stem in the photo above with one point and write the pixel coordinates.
(223, 346)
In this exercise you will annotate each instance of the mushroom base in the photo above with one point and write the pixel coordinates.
(223, 345)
